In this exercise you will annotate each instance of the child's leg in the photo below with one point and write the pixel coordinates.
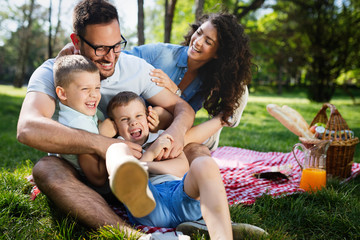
(203, 180)
(129, 180)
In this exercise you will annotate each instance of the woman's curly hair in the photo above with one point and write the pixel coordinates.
(225, 78)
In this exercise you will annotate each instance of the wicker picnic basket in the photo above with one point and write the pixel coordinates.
(340, 154)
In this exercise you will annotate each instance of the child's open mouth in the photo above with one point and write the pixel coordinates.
(136, 133)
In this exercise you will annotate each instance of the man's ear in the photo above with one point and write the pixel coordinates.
(61, 93)
(75, 40)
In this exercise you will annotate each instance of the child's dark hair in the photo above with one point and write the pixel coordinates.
(123, 99)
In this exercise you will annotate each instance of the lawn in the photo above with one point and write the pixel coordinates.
(332, 213)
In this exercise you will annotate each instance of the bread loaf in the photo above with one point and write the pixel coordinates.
(289, 120)
(296, 117)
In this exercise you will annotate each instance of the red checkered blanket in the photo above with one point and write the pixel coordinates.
(237, 168)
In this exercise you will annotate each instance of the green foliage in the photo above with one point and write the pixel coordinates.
(14, 14)
(318, 38)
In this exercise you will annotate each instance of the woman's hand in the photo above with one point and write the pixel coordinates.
(153, 120)
(162, 79)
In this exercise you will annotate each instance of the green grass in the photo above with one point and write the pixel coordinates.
(332, 213)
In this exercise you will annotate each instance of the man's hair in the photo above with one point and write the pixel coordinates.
(66, 65)
(89, 12)
(123, 99)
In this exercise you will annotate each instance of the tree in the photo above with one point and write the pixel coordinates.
(241, 10)
(25, 44)
(13, 41)
(199, 7)
(169, 15)
(331, 28)
(52, 38)
(140, 26)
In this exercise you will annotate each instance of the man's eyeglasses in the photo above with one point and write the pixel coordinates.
(104, 50)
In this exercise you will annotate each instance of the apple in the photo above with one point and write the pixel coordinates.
(312, 129)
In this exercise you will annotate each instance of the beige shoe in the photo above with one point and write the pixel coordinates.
(240, 230)
(234, 120)
(213, 142)
(129, 183)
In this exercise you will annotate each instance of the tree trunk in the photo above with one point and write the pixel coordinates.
(199, 5)
(140, 26)
(24, 49)
(169, 15)
(50, 32)
(58, 25)
(255, 4)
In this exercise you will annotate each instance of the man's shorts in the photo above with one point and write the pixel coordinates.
(173, 206)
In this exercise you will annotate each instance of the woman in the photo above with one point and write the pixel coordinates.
(211, 68)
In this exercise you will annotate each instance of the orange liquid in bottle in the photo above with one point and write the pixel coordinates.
(313, 179)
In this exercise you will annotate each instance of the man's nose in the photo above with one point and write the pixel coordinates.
(111, 55)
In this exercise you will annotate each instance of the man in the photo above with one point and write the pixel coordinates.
(97, 36)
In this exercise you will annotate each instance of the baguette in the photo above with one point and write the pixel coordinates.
(286, 119)
(296, 117)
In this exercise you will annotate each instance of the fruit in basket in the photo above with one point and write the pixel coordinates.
(319, 124)
(312, 129)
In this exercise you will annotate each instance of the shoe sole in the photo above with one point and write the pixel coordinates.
(240, 230)
(130, 185)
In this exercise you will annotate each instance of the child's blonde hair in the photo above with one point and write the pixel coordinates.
(66, 65)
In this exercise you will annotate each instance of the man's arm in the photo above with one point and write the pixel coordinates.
(184, 117)
(36, 129)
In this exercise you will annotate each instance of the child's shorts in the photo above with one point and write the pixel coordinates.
(173, 206)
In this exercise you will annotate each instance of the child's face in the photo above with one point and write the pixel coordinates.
(131, 122)
(83, 93)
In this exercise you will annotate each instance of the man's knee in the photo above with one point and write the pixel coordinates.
(51, 168)
(195, 150)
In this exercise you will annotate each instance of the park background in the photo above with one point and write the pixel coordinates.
(306, 52)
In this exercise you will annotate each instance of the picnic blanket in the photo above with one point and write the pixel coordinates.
(238, 166)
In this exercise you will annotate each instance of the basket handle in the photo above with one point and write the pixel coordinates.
(335, 123)
(332, 107)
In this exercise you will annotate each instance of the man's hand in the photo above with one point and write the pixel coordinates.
(68, 49)
(104, 143)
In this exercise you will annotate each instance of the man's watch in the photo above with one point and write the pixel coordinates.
(178, 92)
